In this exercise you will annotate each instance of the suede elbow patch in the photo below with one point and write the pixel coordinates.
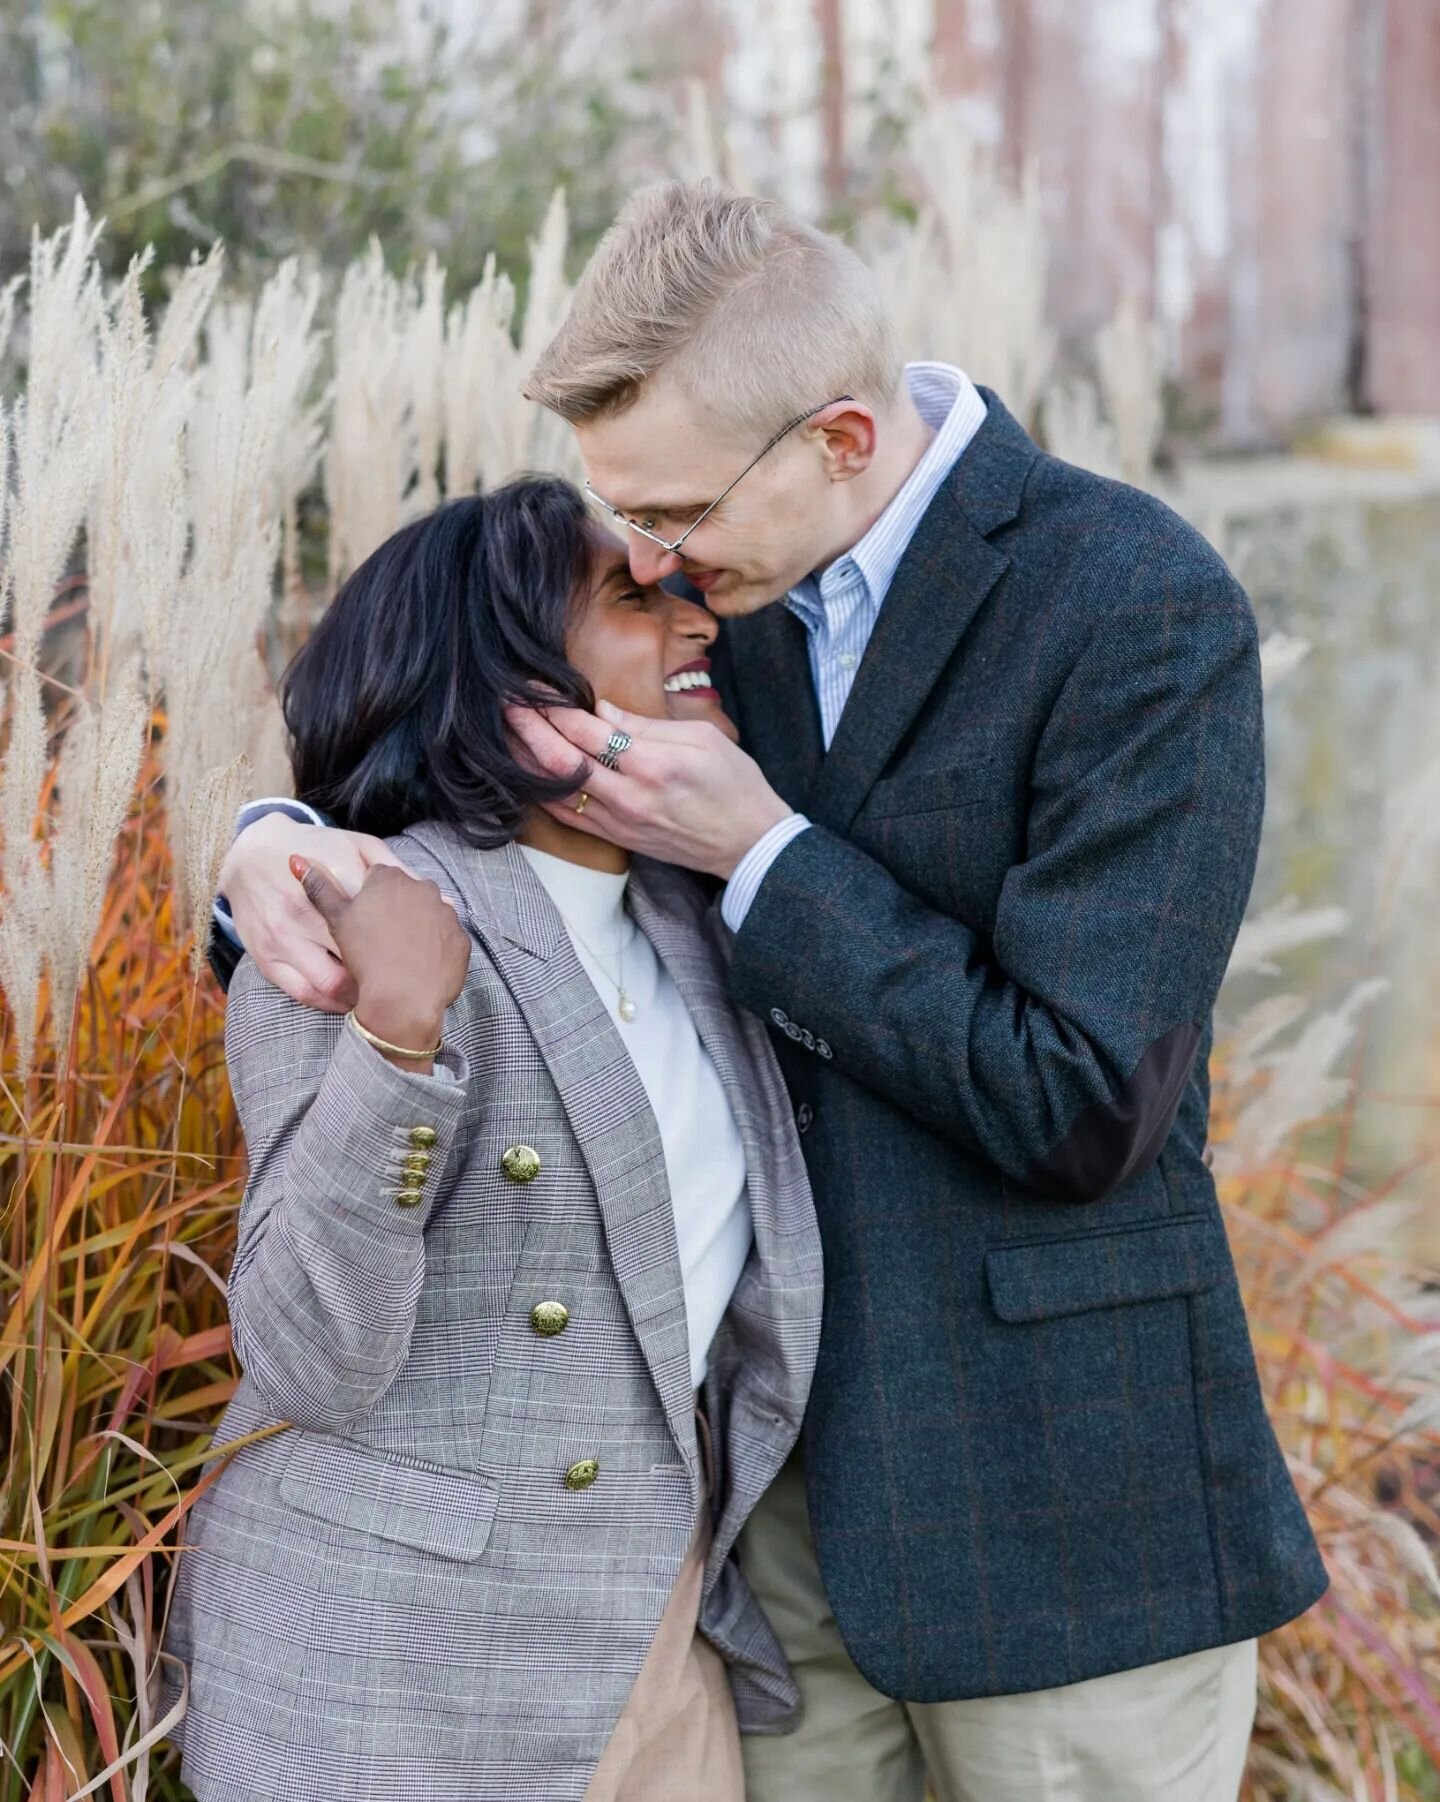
(1116, 1140)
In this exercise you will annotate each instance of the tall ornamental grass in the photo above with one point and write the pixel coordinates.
(155, 566)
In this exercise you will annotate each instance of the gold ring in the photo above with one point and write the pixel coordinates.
(583, 802)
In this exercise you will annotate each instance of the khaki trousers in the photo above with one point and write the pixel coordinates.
(677, 1739)
(1171, 1732)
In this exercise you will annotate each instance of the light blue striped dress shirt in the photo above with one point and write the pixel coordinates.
(839, 607)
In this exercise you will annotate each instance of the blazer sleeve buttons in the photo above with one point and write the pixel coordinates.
(521, 1164)
(413, 1166)
(802, 1035)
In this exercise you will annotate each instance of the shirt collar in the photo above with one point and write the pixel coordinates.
(949, 402)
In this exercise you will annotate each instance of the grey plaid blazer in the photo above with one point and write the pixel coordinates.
(400, 1595)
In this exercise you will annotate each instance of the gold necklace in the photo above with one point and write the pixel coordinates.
(624, 1006)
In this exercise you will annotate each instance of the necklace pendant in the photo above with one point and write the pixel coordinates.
(626, 1008)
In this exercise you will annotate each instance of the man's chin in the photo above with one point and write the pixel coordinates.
(732, 600)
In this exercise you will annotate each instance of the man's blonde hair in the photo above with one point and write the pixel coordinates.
(758, 316)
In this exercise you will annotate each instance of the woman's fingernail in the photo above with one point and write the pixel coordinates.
(606, 711)
(298, 866)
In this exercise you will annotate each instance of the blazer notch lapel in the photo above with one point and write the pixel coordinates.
(764, 662)
(945, 575)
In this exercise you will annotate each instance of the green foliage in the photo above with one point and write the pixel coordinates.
(299, 130)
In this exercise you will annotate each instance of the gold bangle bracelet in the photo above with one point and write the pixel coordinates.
(385, 1045)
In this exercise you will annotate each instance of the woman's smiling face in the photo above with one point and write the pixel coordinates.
(641, 648)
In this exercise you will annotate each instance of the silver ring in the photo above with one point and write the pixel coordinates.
(609, 758)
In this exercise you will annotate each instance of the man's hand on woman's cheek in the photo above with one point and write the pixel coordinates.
(277, 924)
(682, 793)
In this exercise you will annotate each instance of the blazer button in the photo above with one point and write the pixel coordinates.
(549, 1318)
(415, 1164)
(804, 1117)
(521, 1164)
(409, 1196)
(422, 1137)
(583, 1474)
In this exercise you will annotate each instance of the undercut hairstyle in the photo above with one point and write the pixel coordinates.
(395, 705)
(757, 316)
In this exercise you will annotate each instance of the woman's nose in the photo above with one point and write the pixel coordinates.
(687, 620)
(651, 563)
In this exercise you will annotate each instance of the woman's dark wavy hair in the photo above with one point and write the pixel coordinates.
(395, 704)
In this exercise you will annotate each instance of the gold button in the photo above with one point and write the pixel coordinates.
(521, 1164)
(549, 1318)
(409, 1196)
(583, 1474)
(422, 1137)
(415, 1163)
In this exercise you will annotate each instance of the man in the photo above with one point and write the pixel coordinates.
(985, 851)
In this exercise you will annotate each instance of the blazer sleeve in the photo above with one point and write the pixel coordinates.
(1058, 1047)
(329, 1264)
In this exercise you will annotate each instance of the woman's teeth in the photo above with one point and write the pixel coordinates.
(688, 678)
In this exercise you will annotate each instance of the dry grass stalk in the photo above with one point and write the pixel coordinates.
(1128, 364)
(208, 832)
(99, 761)
(704, 150)
(492, 432)
(1076, 431)
(966, 282)
(372, 458)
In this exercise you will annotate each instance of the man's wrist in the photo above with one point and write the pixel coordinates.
(754, 866)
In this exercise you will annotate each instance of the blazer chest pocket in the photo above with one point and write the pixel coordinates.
(407, 1501)
(1047, 1278)
(956, 787)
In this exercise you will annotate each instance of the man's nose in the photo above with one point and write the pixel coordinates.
(651, 563)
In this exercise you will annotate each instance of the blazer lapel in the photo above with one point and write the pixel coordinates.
(948, 569)
(943, 577)
(505, 905)
(774, 1314)
(763, 669)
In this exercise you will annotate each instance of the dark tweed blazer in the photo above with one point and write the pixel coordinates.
(1036, 1448)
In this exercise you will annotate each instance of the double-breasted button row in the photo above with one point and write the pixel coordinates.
(414, 1165)
(802, 1035)
(521, 1163)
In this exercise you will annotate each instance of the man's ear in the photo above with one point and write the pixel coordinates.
(848, 434)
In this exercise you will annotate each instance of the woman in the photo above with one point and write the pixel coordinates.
(504, 1222)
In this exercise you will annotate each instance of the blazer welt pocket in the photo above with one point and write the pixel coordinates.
(1044, 1278)
(406, 1500)
(957, 786)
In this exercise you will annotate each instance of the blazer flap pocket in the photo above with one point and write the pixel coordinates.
(967, 784)
(425, 1506)
(1154, 1262)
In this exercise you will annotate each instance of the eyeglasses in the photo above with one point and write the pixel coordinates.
(673, 544)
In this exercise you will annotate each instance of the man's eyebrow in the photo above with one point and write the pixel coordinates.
(663, 507)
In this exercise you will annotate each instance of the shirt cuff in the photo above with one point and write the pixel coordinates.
(754, 867)
(247, 816)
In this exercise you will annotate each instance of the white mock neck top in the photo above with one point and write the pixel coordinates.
(704, 1156)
